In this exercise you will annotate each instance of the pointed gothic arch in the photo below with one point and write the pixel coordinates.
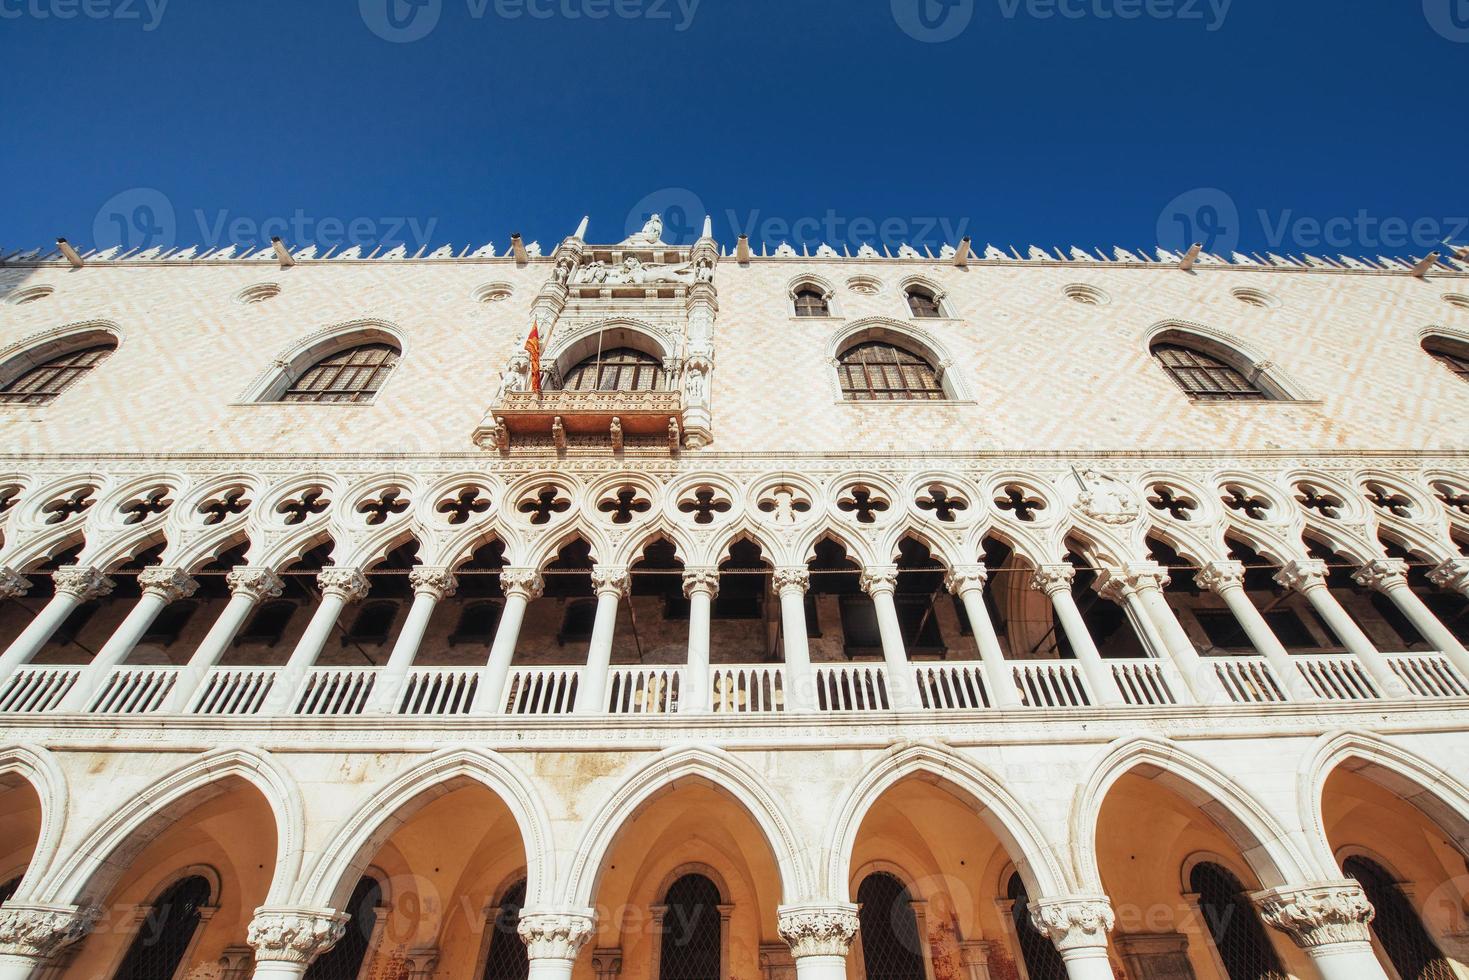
(37, 767)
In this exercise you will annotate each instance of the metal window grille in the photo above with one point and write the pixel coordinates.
(891, 946)
(508, 959)
(1235, 928)
(924, 304)
(41, 384)
(690, 931)
(1204, 377)
(1042, 959)
(344, 960)
(810, 302)
(1453, 357)
(352, 375)
(166, 932)
(876, 371)
(1397, 927)
(620, 369)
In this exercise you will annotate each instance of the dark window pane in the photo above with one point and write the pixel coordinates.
(344, 960)
(691, 940)
(891, 947)
(878, 371)
(1204, 377)
(508, 959)
(269, 623)
(1453, 356)
(476, 623)
(859, 626)
(1397, 926)
(41, 384)
(577, 621)
(373, 623)
(619, 369)
(166, 931)
(1233, 925)
(349, 375)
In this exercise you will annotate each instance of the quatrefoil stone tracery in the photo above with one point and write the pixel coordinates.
(1388, 500)
(545, 505)
(383, 507)
(146, 506)
(862, 503)
(1242, 501)
(705, 505)
(783, 504)
(64, 508)
(1320, 501)
(624, 505)
(222, 506)
(467, 503)
(301, 507)
(942, 503)
(1021, 502)
(1173, 502)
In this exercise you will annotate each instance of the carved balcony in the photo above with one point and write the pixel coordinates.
(612, 415)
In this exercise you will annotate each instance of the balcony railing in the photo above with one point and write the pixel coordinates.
(328, 692)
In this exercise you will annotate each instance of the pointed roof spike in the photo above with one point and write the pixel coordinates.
(846, 252)
(1014, 253)
(927, 251)
(764, 250)
(708, 227)
(805, 250)
(581, 229)
(887, 252)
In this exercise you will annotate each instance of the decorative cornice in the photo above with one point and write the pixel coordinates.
(705, 580)
(1319, 914)
(84, 583)
(168, 584)
(1075, 921)
(40, 931)
(294, 935)
(555, 935)
(437, 583)
(257, 583)
(348, 584)
(818, 930)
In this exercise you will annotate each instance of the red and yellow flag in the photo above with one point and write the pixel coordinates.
(533, 348)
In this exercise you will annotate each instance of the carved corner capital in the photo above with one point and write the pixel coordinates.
(966, 578)
(1220, 576)
(348, 584)
(557, 935)
(38, 932)
(169, 584)
(524, 582)
(1382, 574)
(791, 578)
(13, 585)
(294, 935)
(880, 579)
(85, 583)
(256, 582)
(818, 930)
(1052, 579)
(705, 580)
(1302, 575)
(1452, 574)
(1074, 921)
(438, 583)
(611, 580)
(1319, 914)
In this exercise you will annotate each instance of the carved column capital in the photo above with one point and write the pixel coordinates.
(1382, 574)
(1319, 914)
(1303, 575)
(555, 935)
(705, 580)
(84, 583)
(611, 580)
(347, 584)
(880, 579)
(966, 578)
(1052, 579)
(818, 930)
(294, 935)
(437, 583)
(523, 582)
(792, 579)
(256, 582)
(1220, 576)
(1074, 921)
(13, 585)
(1452, 574)
(607, 963)
(168, 584)
(40, 931)
(1143, 575)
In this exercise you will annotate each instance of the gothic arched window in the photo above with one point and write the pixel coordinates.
(344, 960)
(619, 369)
(1230, 918)
(891, 946)
(1042, 959)
(166, 932)
(1397, 927)
(924, 303)
(1453, 356)
(508, 959)
(811, 301)
(877, 371)
(691, 943)
(39, 385)
(351, 375)
(1204, 376)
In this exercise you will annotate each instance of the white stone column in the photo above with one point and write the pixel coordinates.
(1452, 574)
(967, 582)
(1120, 588)
(430, 586)
(521, 586)
(611, 583)
(820, 936)
(1078, 926)
(1309, 579)
(287, 940)
(881, 583)
(790, 583)
(160, 587)
(339, 586)
(1055, 581)
(700, 586)
(1226, 579)
(1390, 577)
(249, 586)
(1329, 920)
(74, 585)
(554, 939)
(1149, 579)
(30, 935)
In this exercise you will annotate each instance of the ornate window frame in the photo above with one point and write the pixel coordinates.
(1448, 336)
(144, 908)
(940, 297)
(1251, 361)
(812, 281)
(35, 350)
(577, 345)
(270, 385)
(906, 334)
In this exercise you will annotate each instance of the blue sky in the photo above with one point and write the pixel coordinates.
(1288, 125)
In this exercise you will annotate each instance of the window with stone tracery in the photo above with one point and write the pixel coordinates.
(891, 946)
(166, 932)
(1397, 926)
(41, 384)
(507, 959)
(924, 303)
(352, 375)
(344, 960)
(1042, 960)
(1453, 356)
(691, 940)
(878, 371)
(1205, 377)
(620, 369)
(1233, 925)
(810, 301)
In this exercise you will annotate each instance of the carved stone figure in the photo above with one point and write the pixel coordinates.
(652, 233)
(1104, 498)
